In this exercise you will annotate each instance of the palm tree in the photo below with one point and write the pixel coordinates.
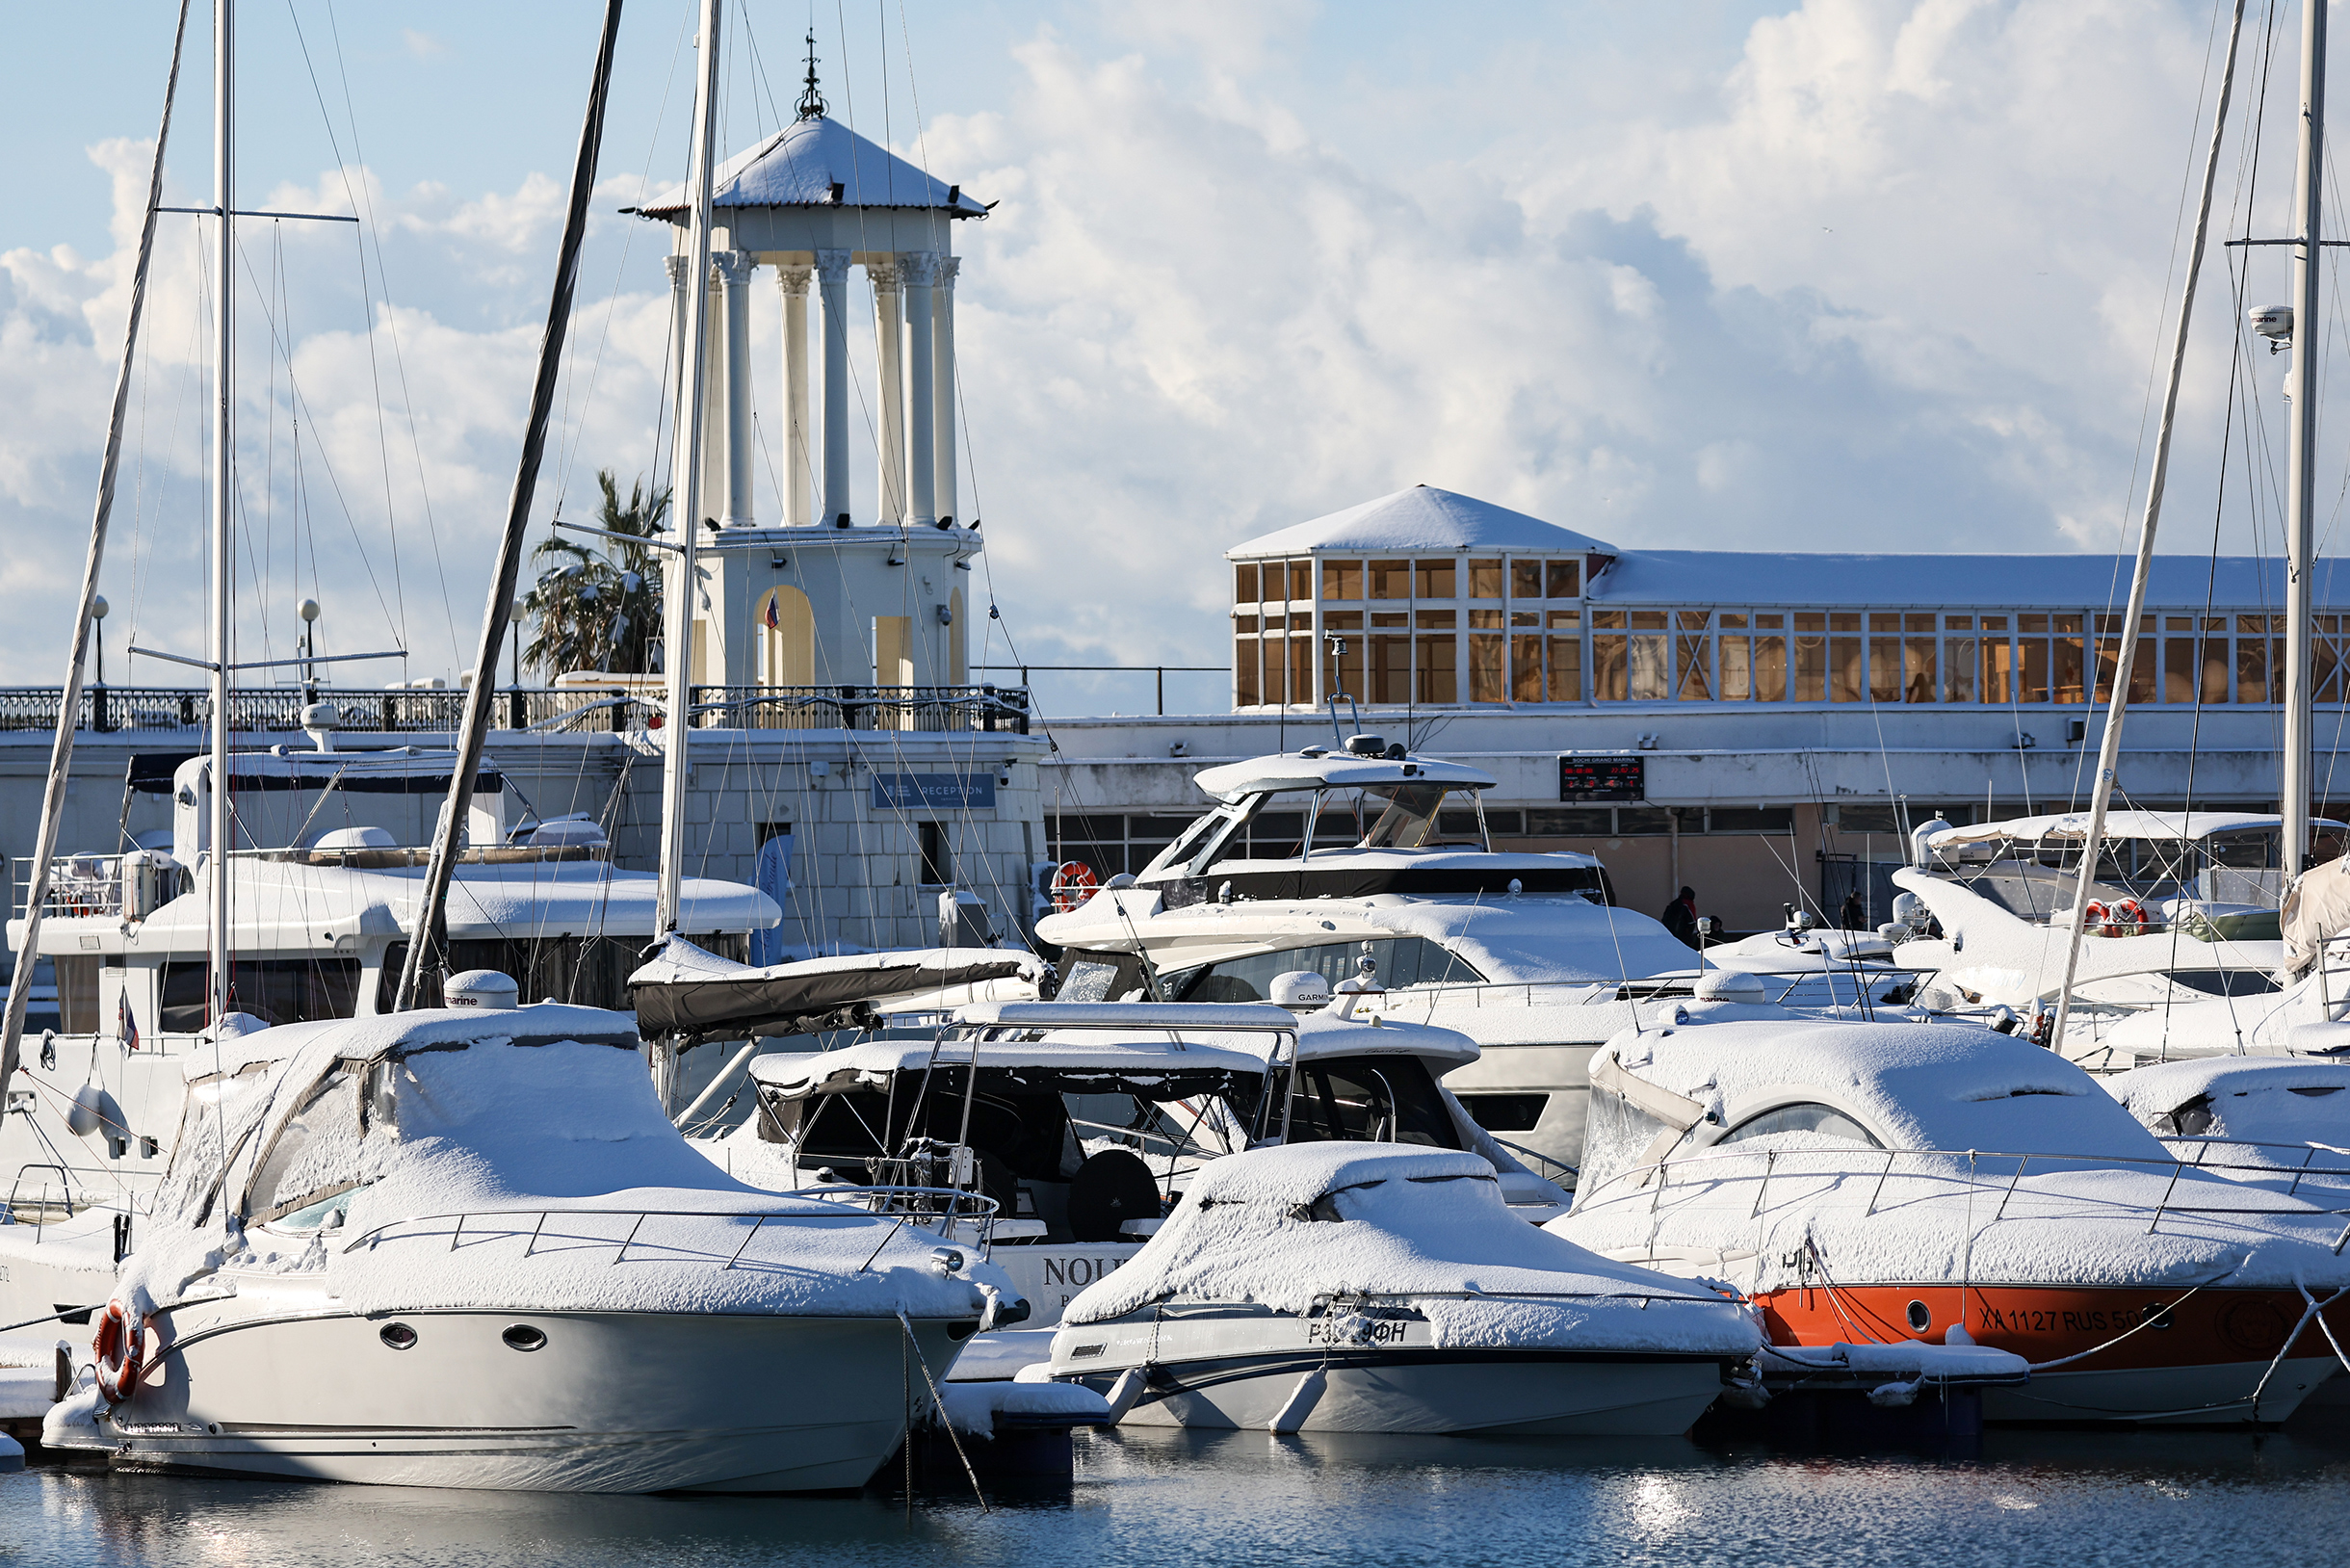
(599, 609)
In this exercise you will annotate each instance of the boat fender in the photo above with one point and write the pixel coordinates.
(1125, 1391)
(122, 1352)
(1894, 1396)
(1299, 1405)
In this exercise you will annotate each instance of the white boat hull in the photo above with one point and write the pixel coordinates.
(612, 1401)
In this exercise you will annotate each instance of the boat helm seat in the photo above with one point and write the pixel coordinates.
(1108, 1190)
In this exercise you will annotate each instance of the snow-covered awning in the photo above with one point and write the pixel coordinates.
(687, 991)
(1314, 769)
(2173, 825)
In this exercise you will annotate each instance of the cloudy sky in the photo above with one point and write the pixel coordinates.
(1847, 274)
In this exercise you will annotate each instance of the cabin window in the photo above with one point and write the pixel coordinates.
(302, 1162)
(1505, 1113)
(1400, 961)
(1407, 815)
(273, 990)
(1377, 1099)
(1823, 1121)
(2190, 1120)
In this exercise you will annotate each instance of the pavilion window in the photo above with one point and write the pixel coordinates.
(1301, 580)
(1694, 655)
(1651, 658)
(1276, 670)
(1391, 659)
(1436, 658)
(1342, 672)
(1562, 580)
(1301, 658)
(1485, 579)
(1436, 578)
(1918, 673)
(1958, 660)
(1811, 652)
(1244, 583)
(2180, 658)
(1488, 652)
(1885, 659)
(1611, 657)
(1566, 656)
(1342, 579)
(1846, 681)
(1524, 578)
(2070, 676)
(1771, 659)
(1525, 657)
(2252, 661)
(1737, 654)
(2325, 659)
(1998, 662)
(1391, 579)
(2031, 659)
(1245, 687)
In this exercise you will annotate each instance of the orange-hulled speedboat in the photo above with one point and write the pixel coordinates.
(1874, 1183)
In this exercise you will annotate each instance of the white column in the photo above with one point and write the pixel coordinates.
(920, 269)
(679, 265)
(793, 281)
(832, 282)
(733, 269)
(942, 350)
(891, 368)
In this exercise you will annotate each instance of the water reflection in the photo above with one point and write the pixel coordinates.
(1174, 1499)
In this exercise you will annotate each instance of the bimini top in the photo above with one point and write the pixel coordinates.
(1316, 768)
(2172, 826)
(873, 1063)
(688, 991)
(820, 162)
(1421, 518)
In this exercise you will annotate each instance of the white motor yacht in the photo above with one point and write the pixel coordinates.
(463, 1247)
(2183, 910)
(1383, 1287)
(1086, 1122)
(1884, 1182)
(324, 888)
(1322, 859)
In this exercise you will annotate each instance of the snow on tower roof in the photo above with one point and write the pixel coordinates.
(1423, 517)
(801, 165)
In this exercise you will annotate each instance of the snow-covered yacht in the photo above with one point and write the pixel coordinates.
(2183, 908)
(1844, 1176)
(1375, 870)
(464, 1248)
(324, 885)
(1087, 1121)
(1386, 1288)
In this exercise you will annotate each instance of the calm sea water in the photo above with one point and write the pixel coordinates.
(1242, 1498)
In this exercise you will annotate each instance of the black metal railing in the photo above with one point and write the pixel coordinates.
(278, 710)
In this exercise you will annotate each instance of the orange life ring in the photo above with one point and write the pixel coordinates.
(1073, 883)
(2129, 919)
(2093, 914)
(122, 1352)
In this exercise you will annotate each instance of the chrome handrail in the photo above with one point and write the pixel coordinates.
(842, 1198)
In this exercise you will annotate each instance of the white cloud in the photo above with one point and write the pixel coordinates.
(1891, 280)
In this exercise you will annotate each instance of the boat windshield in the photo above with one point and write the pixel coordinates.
(1408, 814)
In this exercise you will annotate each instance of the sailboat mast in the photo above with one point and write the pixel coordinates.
(2301, 440)
(223, 431)
(678, 640)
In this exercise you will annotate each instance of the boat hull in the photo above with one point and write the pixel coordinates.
(609, 1402)
(2158, 1354)
(1276, 1372)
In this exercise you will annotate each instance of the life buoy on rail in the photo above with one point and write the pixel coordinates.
(121, 1351)
(2129, 919)
(2093, 915)
(1073, 883)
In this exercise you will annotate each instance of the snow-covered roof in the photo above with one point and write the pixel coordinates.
(1323, 1035)
(799, 166)
(2173, 825)
(1125, 1015)
(1332, 770)
(1944, 583)
(1422, 518)
(1284, 1226)
(2259, 1099)
(876, 1061)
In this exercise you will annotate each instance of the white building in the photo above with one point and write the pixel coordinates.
(1757, 725)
